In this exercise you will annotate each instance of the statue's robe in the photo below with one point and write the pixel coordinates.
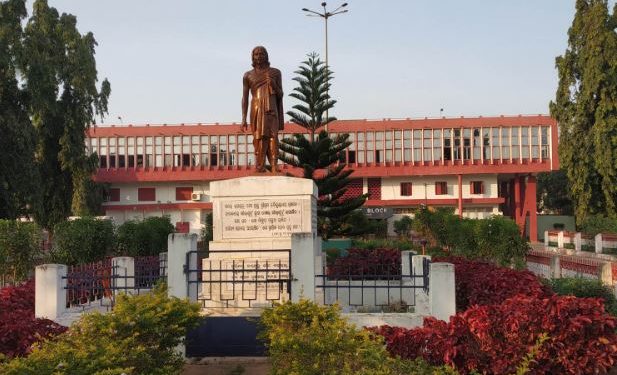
(266, 115)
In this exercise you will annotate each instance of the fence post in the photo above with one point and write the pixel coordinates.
(304, 260)
(605, 274)
(560, 239)
(555, 267)
(417, 269)
(546, 239)
(163, 264)
(599, 244)
(578, 241)
(179, 247)
(123, 274)
(49, 291)
(442, 292)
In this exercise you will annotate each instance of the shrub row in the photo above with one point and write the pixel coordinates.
(18, 327)
(89, 239)
(496, 239)
(482, 283)
(580, 287)
(20, 248)
(365, 263)
(496, 338)
(139, 336)
(307, 339)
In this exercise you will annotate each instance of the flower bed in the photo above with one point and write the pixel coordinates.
(366, 264)
(495, 338)
(482, 283)
(18, 327)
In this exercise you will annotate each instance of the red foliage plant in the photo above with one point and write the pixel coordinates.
(19, 329)
(493, 339)
(366, 264)
(483, 283)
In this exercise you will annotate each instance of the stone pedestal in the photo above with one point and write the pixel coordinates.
(251, 262)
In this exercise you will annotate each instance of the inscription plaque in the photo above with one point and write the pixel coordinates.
(261, 218)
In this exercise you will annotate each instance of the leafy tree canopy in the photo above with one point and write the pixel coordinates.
(586, 108)
(553, 193)
(49, 71)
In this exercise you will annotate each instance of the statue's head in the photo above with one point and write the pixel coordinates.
(259, 56)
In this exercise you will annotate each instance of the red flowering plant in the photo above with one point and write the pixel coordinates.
(367, 264)
(483, 283)
(494, 339)
(19, 329)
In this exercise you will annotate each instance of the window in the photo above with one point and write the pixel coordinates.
(525, 142)
(544, 139)
(388, 146)
(437, 145)
(417, 145)
(447, 145)
(477, 187)
(407, 145)
(374, 188)
(426, 145)
(457, 144)
(477, 143)
(406, 188)
(441, 188)
(467, 144)
(515, 143)
(495, 140)
(361, 147)
(486, 144)
(184, 193)
(113, 195)
(505, 143)
(146, 194)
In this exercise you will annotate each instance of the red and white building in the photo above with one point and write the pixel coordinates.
(480, 166)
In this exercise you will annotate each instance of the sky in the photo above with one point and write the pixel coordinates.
(182, 61)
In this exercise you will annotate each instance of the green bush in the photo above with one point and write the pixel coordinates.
(82, 241)
(146, 237)
(579, 287)
(381, 243)
(307, 339)
(206, 234)
(598, 224)
(496, 239)
(20, 248)
(138, 336)
(402, 227)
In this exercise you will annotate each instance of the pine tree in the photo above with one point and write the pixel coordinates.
(586, 109)
(319, 155)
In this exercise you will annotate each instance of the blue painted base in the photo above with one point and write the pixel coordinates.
(225, 337)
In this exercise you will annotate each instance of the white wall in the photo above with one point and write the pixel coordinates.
(165, 192)
(391, 187)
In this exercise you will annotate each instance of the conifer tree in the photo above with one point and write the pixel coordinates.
(318, 155)
(586, 109)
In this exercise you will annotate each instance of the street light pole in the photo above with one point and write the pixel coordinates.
(325, 15)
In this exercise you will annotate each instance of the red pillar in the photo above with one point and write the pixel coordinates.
(530, 206)
(517, 200)
(460, 195)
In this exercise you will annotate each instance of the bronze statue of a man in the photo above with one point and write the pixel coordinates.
(265, 85)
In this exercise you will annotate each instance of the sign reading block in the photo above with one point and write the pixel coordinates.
(261, 218)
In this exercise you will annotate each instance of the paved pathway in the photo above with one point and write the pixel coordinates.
(229, 366)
